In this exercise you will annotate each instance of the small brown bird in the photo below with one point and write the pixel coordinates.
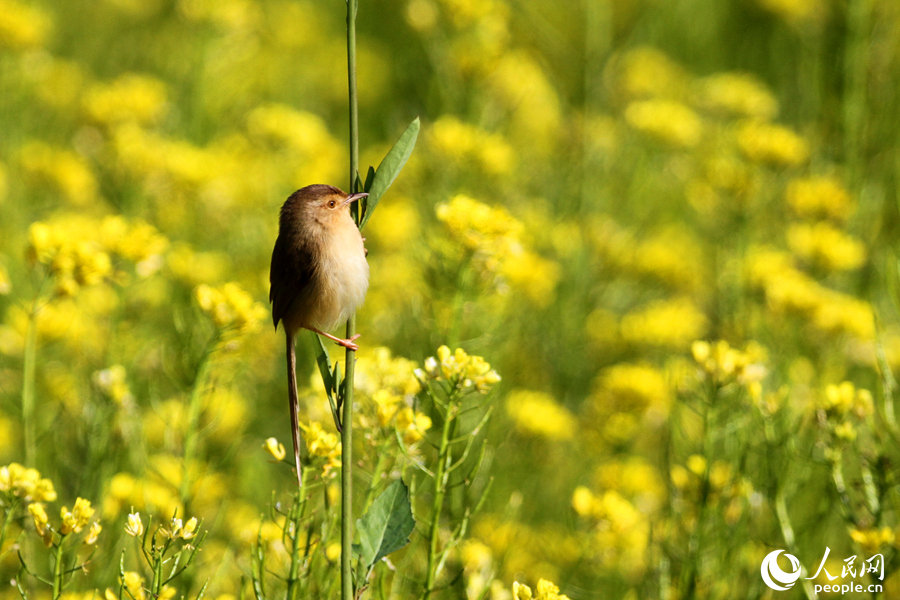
(319, 274)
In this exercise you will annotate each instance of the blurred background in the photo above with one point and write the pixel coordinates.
(669, 226)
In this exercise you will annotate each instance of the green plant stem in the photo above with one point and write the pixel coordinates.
(439, 489)
(28, 390)
(293, 577)
(347, 418)
(57, 569)
(7, 520)
(190, 437)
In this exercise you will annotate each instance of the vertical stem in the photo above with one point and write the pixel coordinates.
(437, 506)
(347, 418)
(190, 438)
(28, 390)
(57, 570)
(855, 79)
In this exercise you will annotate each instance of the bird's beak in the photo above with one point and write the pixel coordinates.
(355, 197)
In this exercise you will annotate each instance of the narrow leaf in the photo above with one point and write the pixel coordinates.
(390, 167)
(387, 524)
(324, 362)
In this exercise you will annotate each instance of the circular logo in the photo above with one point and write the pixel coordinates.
(773, 575)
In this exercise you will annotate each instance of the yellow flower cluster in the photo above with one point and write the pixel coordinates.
(519, 84)
(671, 324)
(391, 410)
(129, 98)
(378, 370)
(647, 72)
(303, 135)
(622, 532)
(826, 246)
(634, 478)
(537, 413)
(723, 364)
(322, 444)
(75, 520)
(871, 540)
(77, 249)
(844, 399)
(230, 307)
(736, 94)
(814, 197)
(22, 26)
(26, 484)
(789, 290)
(465, 372)
(545, 591)
(490, 232)
(464, 144)
(723, 484)
(669, 122)
(623, 394)
(66, 172)
(631, 388)
(776, 145)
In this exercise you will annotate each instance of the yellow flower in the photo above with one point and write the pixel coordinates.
(459, 142)
(131, 97)
(538, 413)
(464, 371)
(629, 387)
(230, 307)
(93, 533)
(74, 521)
(39, 515)
(827, 246)
(545, 591)
(668, 122)
(26, 484)
(22, 26)
(276, 449)
(333, 552)
(772, 144)
(667, 323)
(190, 529)
(134, 583)
(696, 464)
(134, 527)
(819, 197)
(738, 94)
(67, 172)
(647, 72)
(872, 540)
(723, 364)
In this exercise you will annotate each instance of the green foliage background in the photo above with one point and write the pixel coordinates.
(597, 186)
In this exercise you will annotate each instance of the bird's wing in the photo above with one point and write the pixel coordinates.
(290, 274)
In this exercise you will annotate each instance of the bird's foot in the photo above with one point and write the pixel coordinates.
(348, 343)
(340, 342)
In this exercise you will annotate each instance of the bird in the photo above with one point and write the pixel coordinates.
(319, 275)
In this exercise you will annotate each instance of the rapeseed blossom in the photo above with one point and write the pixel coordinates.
(465, 372)
(537, 413)
(772, 144)
(666, 121)
(231, 308)
(736, 94)
(26, 484)
(826, 246)
(822, 196)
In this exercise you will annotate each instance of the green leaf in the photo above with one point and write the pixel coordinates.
(324, 362)
(370, 177)
(387, 524)
(390, 167)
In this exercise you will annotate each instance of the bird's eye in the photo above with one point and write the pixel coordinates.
(331, 204)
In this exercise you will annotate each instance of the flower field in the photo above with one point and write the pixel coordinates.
(633, 320)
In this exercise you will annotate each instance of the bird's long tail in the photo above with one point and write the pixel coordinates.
(294, 401)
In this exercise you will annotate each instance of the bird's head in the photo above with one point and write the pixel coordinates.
(320, 205)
